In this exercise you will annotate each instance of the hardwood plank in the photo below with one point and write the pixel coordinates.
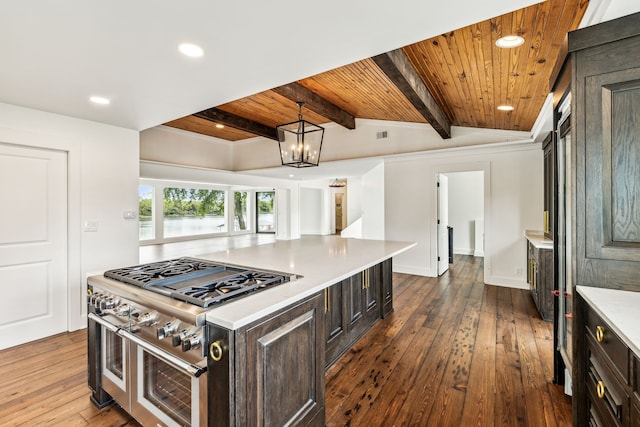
(478, 408)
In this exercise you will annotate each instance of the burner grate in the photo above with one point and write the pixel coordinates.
(208, 294)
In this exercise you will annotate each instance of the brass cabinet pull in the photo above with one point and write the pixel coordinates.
(600, 333)
(215, 351)
(545, 220)
(327, 302)
(600, 389)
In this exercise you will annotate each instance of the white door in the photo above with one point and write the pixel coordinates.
(33, 244)
(443, 222)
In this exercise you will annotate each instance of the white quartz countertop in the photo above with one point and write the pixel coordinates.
(619, 309)
(321, 260)
(536, 237)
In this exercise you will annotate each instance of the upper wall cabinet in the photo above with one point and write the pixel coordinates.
(606, 102)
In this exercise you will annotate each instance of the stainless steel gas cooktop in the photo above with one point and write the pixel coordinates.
(197, 281)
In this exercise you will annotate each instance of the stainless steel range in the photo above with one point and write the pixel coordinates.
(147, 337)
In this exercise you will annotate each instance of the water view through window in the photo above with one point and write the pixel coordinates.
(193, 211)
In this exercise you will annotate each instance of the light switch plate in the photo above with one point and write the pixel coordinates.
(129, 214)
(90, 225)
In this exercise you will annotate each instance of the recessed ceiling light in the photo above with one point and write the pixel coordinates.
(291, 175)
(99, 100)
(505, 107)
(191, 50)
(509, 41)
(219, 126)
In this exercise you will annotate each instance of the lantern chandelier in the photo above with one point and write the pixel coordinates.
(300, 142)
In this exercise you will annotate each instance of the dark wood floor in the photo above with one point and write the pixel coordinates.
(455, 352)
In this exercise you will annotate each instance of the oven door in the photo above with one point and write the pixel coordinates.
(115, 366)
(165, 391)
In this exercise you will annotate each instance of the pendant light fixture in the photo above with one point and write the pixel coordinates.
(337, 183)
(300, 142)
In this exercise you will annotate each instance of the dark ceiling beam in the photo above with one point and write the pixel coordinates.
(296, 92)
(398, 68)
(218, 116)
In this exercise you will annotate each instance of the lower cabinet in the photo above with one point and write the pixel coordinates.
(275, 368)
(540, 279)
(607, 376)
(353, 305)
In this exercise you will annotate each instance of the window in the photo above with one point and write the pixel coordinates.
(265, 211)
(145, 213)
(193, 211)
(240, 211)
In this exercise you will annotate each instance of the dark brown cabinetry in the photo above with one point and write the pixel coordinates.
(605, 128)
(549, 169)
(540, 278)
(607, 375)
(275, 368)
(353, 305)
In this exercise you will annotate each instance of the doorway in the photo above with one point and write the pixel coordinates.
(466, 204)
(339, 217)
(265, 211)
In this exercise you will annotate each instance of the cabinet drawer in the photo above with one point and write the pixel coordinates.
(610, 344)
(606, 393)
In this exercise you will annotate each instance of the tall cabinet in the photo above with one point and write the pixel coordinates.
(605, 128)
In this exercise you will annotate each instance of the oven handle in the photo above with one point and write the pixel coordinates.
(113, 328)
(191, 369)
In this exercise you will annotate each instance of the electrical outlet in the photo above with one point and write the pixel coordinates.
(519, 271)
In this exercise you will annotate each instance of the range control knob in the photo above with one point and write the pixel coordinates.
(168, 329)
(109, 303)
(191, 342)
(147, 319)
(122, 310)
(177, 338)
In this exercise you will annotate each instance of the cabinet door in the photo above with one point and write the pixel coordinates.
(336, 325)
(549, 157)
(371, 290)
(355, 299)
(608, 165)
(386, 286)
(285, 367)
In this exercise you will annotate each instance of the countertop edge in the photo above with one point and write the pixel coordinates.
(537, 239)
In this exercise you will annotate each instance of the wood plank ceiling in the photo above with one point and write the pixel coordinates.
(463, 72)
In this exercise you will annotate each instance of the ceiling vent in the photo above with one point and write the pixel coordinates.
(382, 135)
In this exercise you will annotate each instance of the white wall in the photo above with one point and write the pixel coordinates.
(373, 204)
(513, 203)
(102, 183)
(312, 211)
(619, 8)
(175, 146)
(466, 204)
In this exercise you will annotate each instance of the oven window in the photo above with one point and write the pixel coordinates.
(167, 388)
(114, 354)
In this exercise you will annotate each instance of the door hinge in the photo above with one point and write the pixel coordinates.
(438, 221)
(437, 184)
(438, 258)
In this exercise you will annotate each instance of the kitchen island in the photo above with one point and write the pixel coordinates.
(279, 341)
(257, 359)
(318, 261)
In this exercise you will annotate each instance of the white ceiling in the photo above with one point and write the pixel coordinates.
(55, 54)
